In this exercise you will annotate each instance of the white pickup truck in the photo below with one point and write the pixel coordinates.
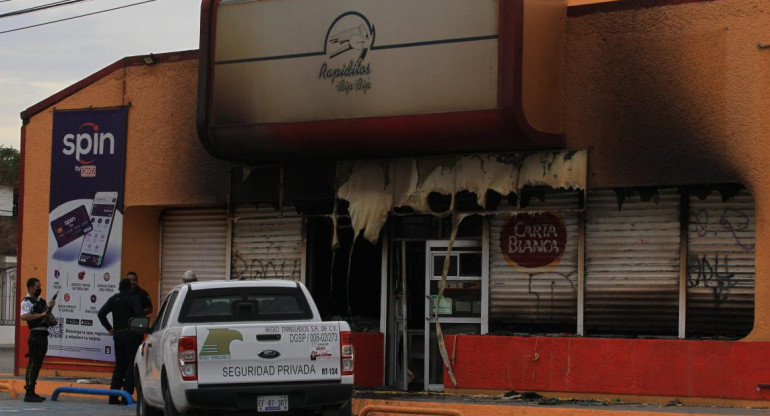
(256, 346)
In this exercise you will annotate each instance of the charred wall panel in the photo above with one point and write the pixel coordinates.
(720, 265)
(632, 264)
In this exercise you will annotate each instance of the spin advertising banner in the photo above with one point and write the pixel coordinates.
(85, 229)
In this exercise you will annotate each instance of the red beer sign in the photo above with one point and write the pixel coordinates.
(533, 240)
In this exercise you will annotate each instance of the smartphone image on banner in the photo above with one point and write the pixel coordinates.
(95, 242)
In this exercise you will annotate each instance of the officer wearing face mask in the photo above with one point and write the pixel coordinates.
(33, 311)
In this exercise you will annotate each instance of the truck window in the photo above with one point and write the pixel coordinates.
(169, 305)
(245, 304)
(158, 324)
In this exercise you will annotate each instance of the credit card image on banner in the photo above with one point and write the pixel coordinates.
(71, 226)
(95, 242)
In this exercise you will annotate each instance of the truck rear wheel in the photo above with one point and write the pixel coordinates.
(142, 408)
(168, 402)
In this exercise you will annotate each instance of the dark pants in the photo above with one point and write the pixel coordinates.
(126, 344)
(38, 347)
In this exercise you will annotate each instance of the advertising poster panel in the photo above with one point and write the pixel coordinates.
(85, 229)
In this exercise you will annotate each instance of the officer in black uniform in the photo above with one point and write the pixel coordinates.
(124, 305)
(33, 312)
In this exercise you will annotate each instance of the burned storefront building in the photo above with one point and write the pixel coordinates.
(497, 195)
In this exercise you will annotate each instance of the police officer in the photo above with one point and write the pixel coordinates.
(33, 312)
(123, 306)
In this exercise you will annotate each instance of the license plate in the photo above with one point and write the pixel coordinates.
(273, 403)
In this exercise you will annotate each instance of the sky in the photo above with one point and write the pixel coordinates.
(38, 62)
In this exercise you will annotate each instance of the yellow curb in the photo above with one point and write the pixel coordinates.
(479, 409)
(8, 386)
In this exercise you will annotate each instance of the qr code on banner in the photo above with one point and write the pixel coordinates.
(58, 330)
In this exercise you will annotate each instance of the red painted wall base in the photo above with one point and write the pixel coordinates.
(708, 369)
(368, 348)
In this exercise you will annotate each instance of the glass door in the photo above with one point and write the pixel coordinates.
(460, 309)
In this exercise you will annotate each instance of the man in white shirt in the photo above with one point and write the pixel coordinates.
(33, 311)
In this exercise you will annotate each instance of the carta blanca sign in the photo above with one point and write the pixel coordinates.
(533, 240)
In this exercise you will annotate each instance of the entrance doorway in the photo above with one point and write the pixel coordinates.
(458, 311)
(344, 286)
(417, 252)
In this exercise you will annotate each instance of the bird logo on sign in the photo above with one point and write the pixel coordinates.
(350, 32)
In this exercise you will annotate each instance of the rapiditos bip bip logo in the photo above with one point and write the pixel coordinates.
(349, 38)
(85, 144)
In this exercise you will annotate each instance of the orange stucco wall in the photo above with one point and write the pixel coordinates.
(141, 230)
(674, 95)
(165, 166)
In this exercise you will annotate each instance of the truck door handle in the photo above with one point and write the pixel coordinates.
(430, 307)
(269, 337)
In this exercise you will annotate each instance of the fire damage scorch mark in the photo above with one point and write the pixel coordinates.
(375, 188)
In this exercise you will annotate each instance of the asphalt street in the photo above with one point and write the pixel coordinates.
(68, 406)
(65, 406)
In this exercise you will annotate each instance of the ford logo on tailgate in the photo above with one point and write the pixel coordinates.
(269, 354)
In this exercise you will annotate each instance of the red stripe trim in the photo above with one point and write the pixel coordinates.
(614, 6)
(206, 73)
(20, 233)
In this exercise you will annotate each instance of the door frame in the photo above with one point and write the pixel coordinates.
(438, 247)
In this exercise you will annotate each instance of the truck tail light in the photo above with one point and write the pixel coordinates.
(346, 354)
(188, 358)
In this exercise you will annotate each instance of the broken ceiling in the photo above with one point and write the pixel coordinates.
(374, 188)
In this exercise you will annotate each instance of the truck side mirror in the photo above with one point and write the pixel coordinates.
(139, 324)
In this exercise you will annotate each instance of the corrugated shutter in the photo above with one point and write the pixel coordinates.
(720, 266)
(268, 246)
(6, 201)
(632, 264)
(192, 239)
(539, 299)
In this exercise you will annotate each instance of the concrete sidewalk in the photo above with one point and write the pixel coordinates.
(533, 405)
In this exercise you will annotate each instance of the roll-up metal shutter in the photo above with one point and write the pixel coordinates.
(267, 245)
(720, 266)
(192, 239)
(632, 264)
(537, 298)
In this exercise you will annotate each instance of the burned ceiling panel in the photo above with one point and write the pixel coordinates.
(375, 188)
